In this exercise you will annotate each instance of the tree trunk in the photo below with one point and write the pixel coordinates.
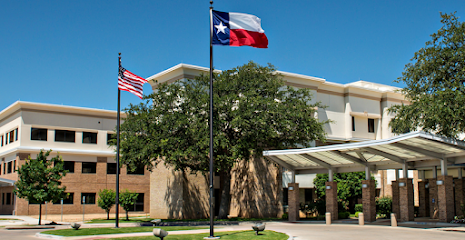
(127, 216)
(225, 194)
(40, 212)
(108, 215)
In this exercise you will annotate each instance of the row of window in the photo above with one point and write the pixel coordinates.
(91, 167)
(371, 125)
(40, 134)
(8, 167)
(89, 198)
(9, 137)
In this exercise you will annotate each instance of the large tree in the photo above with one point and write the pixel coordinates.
(39, 180)
(435, 84)
(253, 111)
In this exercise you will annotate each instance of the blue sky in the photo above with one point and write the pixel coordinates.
(65, 52)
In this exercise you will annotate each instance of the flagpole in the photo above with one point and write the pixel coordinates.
(117, 150)
(211, 124)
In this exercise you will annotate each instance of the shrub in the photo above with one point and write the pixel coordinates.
(384, 205)
(320, 206)
(343, 215)
(356, 214)
(285, 216)
(358, 208)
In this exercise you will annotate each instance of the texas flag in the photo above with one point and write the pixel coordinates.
(238, 29)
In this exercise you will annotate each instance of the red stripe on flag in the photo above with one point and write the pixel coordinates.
(241, 37)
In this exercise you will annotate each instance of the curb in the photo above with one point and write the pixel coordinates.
(48, 236)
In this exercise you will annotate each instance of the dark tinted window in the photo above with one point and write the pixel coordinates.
(111, 168)
(371, 125)
(139, 206)
(89, 198)
(89, 167)
(89, 137)
(139, 170)
(8, 198)
(64, 136)
(39, 134)
(110, 136)
(67, 200)
(10, 164)
(353, 123)
(68, 165)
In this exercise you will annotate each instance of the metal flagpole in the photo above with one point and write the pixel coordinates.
(117, 150)
(211, 124)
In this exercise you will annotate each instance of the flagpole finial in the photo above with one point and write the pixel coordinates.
(211, 4)
(119, 54)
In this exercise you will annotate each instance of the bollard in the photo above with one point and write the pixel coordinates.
(361, 219)
(393, 220)
(328, 218)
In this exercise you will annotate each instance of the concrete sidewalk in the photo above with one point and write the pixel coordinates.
(19, 220)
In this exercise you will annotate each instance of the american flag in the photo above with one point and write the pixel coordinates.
(127, 81)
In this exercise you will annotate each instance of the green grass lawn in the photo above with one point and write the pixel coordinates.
(121, 220)
(234, 235)
(99, 231)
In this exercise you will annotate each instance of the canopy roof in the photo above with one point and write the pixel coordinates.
(6, 182)
(417, 149)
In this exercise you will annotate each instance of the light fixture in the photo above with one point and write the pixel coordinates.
(401, 184)
(291, 188)
(364, 185)
(427, 185)
(440, 182)
(328, 187)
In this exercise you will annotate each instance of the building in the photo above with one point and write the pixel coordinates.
(80, 136)
(358, 111)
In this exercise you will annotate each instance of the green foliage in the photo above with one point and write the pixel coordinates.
(357, 213)
(384, 205)
(435, 84)
(127, 199)
(349, 185)
(343, 215)
(106, 200)
(39, 180)
(285, 216)
(253, 111)
(358, 208)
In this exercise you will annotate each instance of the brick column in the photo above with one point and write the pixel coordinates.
(459, 195)
(395, 198)
(293, 201)
(446, 198)
(406, 206)
(331, 199)
(422, 199)
(368, 200)
(433, 197)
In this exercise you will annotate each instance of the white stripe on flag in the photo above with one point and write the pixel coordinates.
(245, 21)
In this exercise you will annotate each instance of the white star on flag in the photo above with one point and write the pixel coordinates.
(220, 28)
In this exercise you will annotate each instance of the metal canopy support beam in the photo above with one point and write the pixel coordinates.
(443, 167)
(367, 173)
(280, 162)
(419, 150)
(405, 170)
(350, 158)
(397, 174)
(459, 170)
(317, 161)
(384, 154)
(330, 175)
(435, 172)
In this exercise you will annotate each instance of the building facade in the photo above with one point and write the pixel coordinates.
(80, 136)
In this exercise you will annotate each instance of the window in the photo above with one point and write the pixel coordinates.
(66, 200)
(11, 136)
(3, 198)
(6, 138)
(14, 166)
(16, 134)
(1, 144)
(308, 195)
(353, 124)
(110, 136)
(8, 198)
(39, 134)
(138, 171)
(89, 137)
(111, 168)
(0, 169)
(371, 125)
(9, 167)
(4, 167)
(285, 196)
(68, 165)
(64, 136)
(139, 205)
(88, 198)
(89, 167)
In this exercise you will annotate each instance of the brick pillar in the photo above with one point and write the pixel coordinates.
(422, 199)
(331, 199)
(395, 198)
(406, 206)
(459, 195)
(293, 201)
(368, 200)
(446, 199)
(433, 198)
